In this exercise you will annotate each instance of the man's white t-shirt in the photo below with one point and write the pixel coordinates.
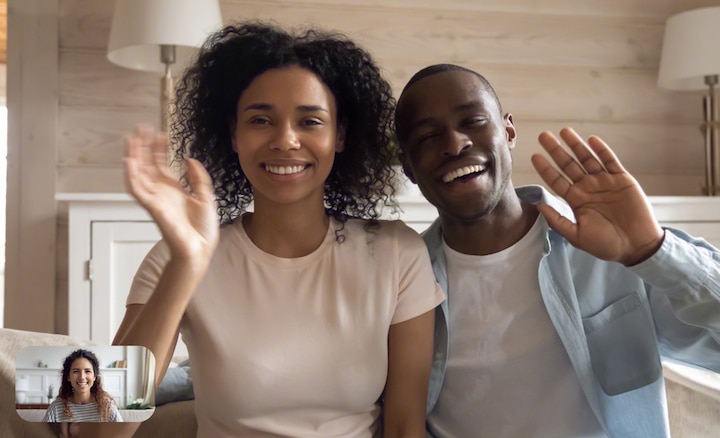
(298, 347)
(507, 374)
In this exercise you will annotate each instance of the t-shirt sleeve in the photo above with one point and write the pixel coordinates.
(148, 274)
(418, 291)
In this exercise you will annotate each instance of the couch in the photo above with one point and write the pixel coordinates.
(175, 419)
(693, 405)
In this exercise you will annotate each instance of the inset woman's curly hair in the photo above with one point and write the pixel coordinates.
(102, 398)
(205, 113)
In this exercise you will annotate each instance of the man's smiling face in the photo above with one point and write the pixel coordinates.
(456, 144)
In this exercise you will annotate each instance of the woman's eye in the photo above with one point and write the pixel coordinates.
(426, 137)
(259, 121)
(312, 122)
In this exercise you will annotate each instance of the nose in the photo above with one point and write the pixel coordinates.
(455, 143)
(286, 139)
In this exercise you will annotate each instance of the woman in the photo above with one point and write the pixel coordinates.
(81, 397)
(307, 316)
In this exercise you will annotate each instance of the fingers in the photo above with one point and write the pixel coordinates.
(560, 156)
(584, 154)
(146, 161)
(160, 148)
(135, 177)
(200, 181)
(590, 158)
(554, 179)
(140, 172)
(606, 155)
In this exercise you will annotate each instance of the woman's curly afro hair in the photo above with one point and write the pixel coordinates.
(205, 113)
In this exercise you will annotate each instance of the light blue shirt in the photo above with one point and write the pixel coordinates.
(615, 322)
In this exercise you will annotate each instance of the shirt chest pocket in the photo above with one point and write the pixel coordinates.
(623, 346)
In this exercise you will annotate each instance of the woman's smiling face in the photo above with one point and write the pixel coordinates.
(286, 134)
(82, 375)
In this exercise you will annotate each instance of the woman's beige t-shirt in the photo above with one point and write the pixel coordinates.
(298, 347)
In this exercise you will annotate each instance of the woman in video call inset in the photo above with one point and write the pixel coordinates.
(81, 397)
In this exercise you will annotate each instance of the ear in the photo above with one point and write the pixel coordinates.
(340, 140)
(510, 133)
(406, 165)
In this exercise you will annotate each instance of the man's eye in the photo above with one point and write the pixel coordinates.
(475, 121)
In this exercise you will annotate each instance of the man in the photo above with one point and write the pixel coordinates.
(557, 314)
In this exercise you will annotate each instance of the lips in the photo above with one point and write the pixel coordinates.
(463, 171)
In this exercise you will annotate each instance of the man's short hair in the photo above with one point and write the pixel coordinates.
(441, 68)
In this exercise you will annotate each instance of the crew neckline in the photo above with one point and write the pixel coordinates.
(523, 244)
(254, 252)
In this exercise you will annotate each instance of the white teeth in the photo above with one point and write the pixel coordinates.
(467, 170)
(284, 170)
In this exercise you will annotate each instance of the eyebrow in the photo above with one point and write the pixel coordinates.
(301, 108)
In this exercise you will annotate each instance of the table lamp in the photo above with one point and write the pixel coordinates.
(161, 36)
(691, 61)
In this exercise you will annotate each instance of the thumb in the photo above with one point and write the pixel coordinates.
(200, 181)
(562, 225)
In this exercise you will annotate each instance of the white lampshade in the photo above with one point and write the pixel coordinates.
(691, 49)
(140, 27)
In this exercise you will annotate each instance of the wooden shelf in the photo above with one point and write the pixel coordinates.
(32, 406)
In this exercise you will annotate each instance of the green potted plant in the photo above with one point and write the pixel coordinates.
(138, 403)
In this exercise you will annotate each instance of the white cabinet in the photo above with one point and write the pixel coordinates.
(696, 215)
(37, 384)
(117, 249)
(108, 236)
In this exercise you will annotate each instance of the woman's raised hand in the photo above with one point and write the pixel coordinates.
(187, 220)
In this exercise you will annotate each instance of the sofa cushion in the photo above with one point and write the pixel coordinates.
(175, 386)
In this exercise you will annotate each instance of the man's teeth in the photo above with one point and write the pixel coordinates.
(458, 173)
(284, 170)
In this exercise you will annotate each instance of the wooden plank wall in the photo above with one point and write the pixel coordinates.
(589, 64)
(586, 63)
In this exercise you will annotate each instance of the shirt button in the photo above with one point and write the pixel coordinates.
(439, 355)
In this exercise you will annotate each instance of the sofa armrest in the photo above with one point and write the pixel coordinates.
(11, 342)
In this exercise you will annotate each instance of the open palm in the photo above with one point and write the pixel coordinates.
(613, 218)
(187, 219)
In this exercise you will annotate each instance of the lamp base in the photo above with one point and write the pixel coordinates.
(710, 131)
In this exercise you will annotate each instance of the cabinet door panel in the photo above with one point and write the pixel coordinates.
(118, 248)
